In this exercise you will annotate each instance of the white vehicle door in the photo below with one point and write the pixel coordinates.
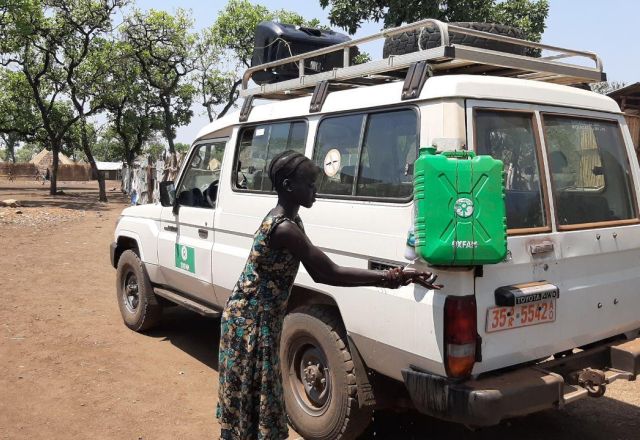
(573, 225)
(186, 240)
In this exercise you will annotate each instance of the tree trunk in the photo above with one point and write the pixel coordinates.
(210, 112)
(168, 123)
(55, 148)
(10, 141)
(94, 167)
(232, 98)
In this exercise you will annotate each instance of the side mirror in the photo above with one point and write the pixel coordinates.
(167, 193)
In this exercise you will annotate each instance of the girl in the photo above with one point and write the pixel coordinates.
(250, 400)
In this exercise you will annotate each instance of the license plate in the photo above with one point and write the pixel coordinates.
(505, 318)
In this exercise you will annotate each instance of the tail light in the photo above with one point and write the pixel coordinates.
(460, 335)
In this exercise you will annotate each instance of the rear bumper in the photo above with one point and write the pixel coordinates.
(488, 400)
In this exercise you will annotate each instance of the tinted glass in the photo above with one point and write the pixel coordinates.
(589, 169)
(259, 144)
(510, 138)
(342, 135)
(388, 153)
(372, 154)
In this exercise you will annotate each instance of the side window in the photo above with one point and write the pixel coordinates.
(259, 144)
(367, 155)
(510, 138)
(199, 186)
(589, 169)
(338, 144)
(388, 152)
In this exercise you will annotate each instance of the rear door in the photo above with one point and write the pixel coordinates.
(573, 225)
(186, 241)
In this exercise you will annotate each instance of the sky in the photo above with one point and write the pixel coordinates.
(608, 28)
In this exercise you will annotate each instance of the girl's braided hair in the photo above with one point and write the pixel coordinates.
(284, 165)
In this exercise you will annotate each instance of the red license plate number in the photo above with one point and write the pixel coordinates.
(505, 318)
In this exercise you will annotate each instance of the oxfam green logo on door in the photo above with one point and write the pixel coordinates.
(185, 258)
(463, 207)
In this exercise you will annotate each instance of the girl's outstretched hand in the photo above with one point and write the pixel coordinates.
(397, 277)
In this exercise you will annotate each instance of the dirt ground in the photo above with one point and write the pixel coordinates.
(69, 368)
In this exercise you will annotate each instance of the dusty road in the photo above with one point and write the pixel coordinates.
(69, 368)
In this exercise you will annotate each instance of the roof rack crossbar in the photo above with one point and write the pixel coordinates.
(445, 58)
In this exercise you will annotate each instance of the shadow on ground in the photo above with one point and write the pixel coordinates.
(196, 335)
(615, 420)
(588, 419)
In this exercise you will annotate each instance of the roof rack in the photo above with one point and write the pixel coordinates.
(445, 59)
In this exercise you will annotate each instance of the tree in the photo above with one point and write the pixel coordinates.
(18, 120)
(155, 148)
(26, 152)
(213, 83)
(182, 148)
(107, 146)
(11, 142)
(50, 42)
(162, 44)
(233, 32)
(606, 87)
(131, 104)
(529, 15)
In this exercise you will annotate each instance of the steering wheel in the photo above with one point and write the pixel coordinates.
(211, 193)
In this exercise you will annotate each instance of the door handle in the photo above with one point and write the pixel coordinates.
(203, 233)
(541, 248)
(171, 228)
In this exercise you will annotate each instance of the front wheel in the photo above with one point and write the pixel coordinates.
(319, 377)
(138, 304)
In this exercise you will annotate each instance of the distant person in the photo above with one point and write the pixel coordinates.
(10, 176)
(47, 176)
(36, 176)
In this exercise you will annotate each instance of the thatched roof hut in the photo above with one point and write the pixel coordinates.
(44, 160)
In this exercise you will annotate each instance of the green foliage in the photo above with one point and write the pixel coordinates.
(26, 152)
(182, 148)
(133, 107)
(18, 112)
(529, 15)
(162, 45)
(155, 149)
(362, 58)
(234, 28)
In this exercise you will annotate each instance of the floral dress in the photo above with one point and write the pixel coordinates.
(250, 399)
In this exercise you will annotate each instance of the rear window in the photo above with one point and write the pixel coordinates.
(590, 171)
(509, 136)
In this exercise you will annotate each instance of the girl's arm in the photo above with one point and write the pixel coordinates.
(322, 270)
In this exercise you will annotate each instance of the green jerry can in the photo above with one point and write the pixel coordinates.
(460, 208)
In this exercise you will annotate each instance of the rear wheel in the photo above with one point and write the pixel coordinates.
(319, 377)
(138, 304)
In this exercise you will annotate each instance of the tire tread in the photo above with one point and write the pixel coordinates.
(357, 418)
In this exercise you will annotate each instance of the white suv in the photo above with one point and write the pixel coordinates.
(468, 353)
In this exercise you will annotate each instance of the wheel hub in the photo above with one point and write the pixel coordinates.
(131, 293)
(314, 377)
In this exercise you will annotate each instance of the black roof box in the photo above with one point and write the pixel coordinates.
(275, 41)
